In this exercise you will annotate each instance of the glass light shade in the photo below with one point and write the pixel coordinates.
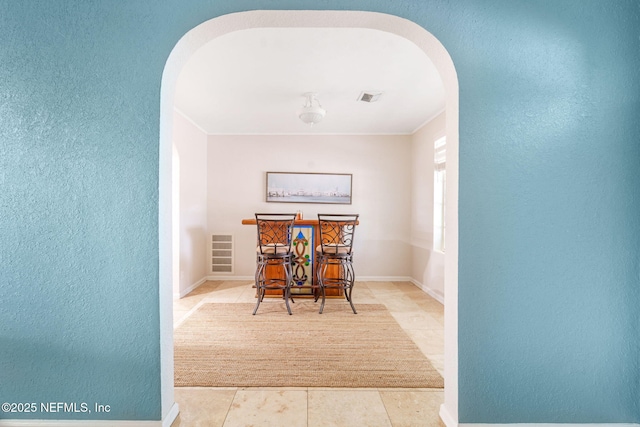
(312, 115)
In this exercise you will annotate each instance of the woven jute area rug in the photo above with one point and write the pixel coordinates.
(224, 345)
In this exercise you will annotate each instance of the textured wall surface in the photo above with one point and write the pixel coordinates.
(549, 212)
(79, 94)
(549, 283)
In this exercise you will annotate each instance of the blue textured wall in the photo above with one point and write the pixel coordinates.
(549, 223)
(550, 212)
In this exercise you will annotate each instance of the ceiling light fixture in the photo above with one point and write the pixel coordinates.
(311, 114)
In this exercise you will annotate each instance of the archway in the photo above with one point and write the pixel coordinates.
(217, 27)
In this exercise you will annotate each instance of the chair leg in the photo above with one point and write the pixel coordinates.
(288, 277)
(261, 292)
(316, 293)
(257, 275)
(323, 297)
(322, 271)
(289, 297)
(347, 281)
(286, 301)
(350, 278)
(290, 281)
(260, 284)
(350, 301)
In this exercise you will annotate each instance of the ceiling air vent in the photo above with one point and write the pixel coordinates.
(369, 96)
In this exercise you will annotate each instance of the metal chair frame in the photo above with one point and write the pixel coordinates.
(336, 248)
(274, 248)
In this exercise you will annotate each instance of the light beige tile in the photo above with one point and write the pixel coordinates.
(179, 315)
(225, 295)
(405, 286)
(382, 286)
(437, 361)
(340, 408)
(230, 284)
(388, 295)
(430, 305)
(374, 286)
(268, 408)
(177, 321)
(342, 389)
(416, 319)
(413, 408)
(272, 388)
(247, 295)
(430, 341)
(421, 298)
(225, 288)
(202, 407)
(185, 304)
(194, 297)
(399, 304)
(438, 316)
(363, 296)
(362, 284)
(206, 287)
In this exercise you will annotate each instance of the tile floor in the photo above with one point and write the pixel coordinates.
(420, 316)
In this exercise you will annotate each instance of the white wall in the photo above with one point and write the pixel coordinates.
(190, 145)
(222, 181)
(427, 265)
(381, 168)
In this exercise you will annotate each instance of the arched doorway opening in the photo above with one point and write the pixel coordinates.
(217, 27)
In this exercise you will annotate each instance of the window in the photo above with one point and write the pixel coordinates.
(439, 185)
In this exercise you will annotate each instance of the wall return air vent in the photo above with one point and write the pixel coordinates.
(222, 253)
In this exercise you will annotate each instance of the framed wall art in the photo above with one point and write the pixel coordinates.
(309, 187)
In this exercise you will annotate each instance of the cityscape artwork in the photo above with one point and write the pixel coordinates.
(308, 187)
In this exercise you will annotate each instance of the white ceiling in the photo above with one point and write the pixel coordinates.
(252, 81)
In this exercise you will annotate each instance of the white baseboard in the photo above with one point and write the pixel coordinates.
(185, 292)
(434, 294)
(171, 416)
(383, 279)
(243, 278)
(446, 417)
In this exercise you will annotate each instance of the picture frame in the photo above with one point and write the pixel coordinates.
(309, 187)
